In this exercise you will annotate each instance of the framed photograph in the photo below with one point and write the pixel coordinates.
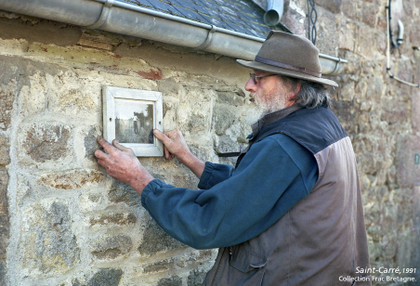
(130, 115)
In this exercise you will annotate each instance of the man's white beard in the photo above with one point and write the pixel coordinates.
(260, 109)
(276, 104)
(254, 114)
(264, 107)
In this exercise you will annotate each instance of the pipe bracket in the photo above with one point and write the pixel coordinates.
(103, 17)
(337, 66)
(208, 39)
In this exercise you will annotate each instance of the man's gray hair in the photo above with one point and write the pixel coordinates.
(311, 94)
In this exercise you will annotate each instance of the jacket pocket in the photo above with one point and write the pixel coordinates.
(250, 266)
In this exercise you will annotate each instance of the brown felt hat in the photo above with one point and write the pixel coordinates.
(290, 55)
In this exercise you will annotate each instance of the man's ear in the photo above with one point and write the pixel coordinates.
(297, 88)
(294, 91)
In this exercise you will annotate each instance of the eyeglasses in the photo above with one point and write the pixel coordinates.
(255, 77)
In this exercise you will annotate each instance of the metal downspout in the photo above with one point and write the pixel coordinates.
(121, 18)
(273, 12)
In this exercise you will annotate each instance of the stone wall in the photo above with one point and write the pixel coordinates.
(64, 222)
(381, 116)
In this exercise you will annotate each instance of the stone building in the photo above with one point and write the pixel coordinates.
(64, 222)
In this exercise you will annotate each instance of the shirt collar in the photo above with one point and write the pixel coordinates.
(272, 117)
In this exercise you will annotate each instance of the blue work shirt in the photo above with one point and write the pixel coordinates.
(235, 205)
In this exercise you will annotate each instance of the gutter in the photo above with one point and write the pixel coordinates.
(331, 65)
(125, 19)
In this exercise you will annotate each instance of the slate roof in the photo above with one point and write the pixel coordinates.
(241, 16)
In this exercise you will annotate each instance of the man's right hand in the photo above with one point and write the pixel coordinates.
(175, 146)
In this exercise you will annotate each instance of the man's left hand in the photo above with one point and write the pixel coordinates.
(121, 163)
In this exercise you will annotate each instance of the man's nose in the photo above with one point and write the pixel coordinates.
(250, 85)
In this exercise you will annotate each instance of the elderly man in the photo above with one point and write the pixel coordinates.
(290, 212)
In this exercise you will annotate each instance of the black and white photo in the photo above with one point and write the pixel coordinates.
(130, 116)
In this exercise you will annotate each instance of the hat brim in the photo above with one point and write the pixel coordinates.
(264, 67)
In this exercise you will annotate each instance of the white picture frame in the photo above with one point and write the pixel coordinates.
(130, 116)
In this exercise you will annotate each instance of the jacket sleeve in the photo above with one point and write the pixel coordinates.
(272, 177)
(214, 174)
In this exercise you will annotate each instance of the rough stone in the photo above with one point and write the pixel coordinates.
(415, 115)
(172, 281)
(155, 240)
(364, 36)
(2, 273)
(7, 97)
(106, 277)
(4, 150)
(16, 80)
(159, 266)
(4, 215)
(170, 113)
(369, 14)
(415, 255)
(404, 255)
(188, 180)
(13, 67)
(113, 218)
(345, 113)
(346, 37)
(333, 6)
(194, 117)
(350, 8)
(171, 87)
(325, 43)
(394, 111)
(47, 240)
(408, 160)
(294, 18)
(196, 278)
(231, 98)
(112, 247)
(90, 142)
(46, 142)
(223, 118)
(41, 30)
(225, 144)
(74, 99)
(73, 179)
(120, 192)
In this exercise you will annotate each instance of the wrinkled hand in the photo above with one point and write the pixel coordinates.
(174, 144)
(121, 163)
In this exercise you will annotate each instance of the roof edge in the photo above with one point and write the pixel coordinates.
(126, 19)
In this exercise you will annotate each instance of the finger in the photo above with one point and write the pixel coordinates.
(100, 154)
(102, 163)
(107, 147)
(167, 154)
(173, 134)
(162, 137)
(119, 146)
